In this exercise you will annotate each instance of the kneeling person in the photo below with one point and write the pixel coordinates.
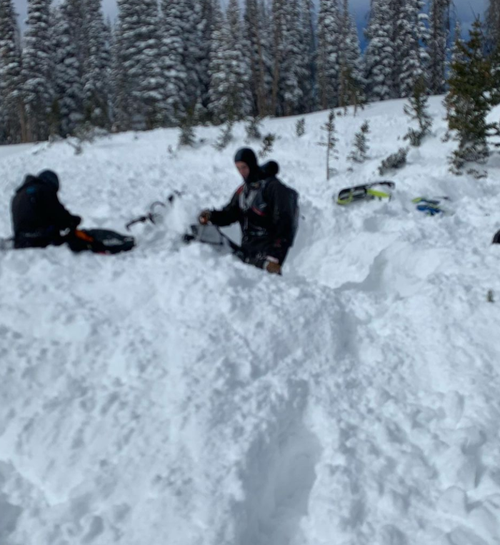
(38, 217)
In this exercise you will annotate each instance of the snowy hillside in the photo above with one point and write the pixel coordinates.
(175, 396)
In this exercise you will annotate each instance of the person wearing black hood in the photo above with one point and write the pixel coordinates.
(38, 217)
(266, 210)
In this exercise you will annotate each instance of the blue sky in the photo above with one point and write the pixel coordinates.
(465, 9)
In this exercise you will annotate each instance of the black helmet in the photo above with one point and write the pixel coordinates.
(50, 178)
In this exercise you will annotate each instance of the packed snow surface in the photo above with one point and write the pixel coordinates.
(175, 396)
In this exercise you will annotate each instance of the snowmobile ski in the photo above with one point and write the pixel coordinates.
(432, 205)
(376, 190)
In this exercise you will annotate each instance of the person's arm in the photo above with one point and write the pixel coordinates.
(62, 219)
(229, 214)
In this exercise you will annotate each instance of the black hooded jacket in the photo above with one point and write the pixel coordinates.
(266, 210)
(38, 217)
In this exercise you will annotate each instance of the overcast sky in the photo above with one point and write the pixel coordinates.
(465, 9)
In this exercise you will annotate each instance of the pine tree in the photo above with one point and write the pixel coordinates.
(266, 25)
(38, 70)
(293, 66)
(259, 56)
(439, 30)
(308, 54)
(96, 66)
(230, 95)
(238, 69)
(187, 27)
(379, 58)
(139, 54)
(67, 40)
(187, 136)
(12, 114)
(411, 57)
(331, 142)
(267, 145)
(191, 58)
(396, 55)
(253, 129)
(82, 68)
(468, 100)
(350, 76)
(457, 48)
(202, 58)
(5, 132)
(328, 55)
(279, 15)
(218, 106)
(291, 53)
(394, 16)
(121, 100)
(225, 136)
(494, 58)
(493, 48)
(300, 127)
(301, 32)
(360, 152)
(175, 12)
(493, 24)
(417, 110)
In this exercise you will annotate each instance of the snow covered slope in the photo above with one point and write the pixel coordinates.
(174, 396)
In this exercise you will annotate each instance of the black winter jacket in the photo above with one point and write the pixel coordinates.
(37, 215)
(267, 217)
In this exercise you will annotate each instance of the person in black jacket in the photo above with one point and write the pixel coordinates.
(38, 218)
(266, 210)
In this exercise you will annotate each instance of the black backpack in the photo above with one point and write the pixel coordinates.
(100, 241)
(270, 170)
(294, 211)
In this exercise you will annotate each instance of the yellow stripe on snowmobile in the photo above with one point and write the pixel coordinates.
(344, 201)
(378, 194)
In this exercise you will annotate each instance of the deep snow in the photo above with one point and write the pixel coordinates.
(174, 396)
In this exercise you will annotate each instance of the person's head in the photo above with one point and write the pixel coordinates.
(50, 178)
(246, 163)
